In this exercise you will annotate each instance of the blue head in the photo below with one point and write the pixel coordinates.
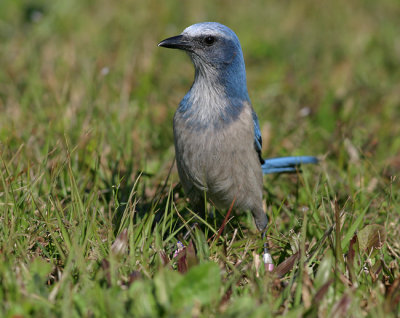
(216, 54)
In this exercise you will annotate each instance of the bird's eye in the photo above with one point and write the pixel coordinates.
(209, 40)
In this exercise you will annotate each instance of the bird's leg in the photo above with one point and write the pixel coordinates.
(200, 207)
(267, 258)
(261, 220)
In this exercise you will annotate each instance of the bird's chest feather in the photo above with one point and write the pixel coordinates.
(207, 151)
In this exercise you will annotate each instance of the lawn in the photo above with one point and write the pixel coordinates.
(92, 216)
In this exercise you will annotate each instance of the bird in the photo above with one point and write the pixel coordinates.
(217, 134)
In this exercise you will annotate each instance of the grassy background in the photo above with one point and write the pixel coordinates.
(88, 220)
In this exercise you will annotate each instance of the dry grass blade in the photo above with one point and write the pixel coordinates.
(350, 259)
(120, 245)
(341, 308)
(221, 228)
(322, 291)
(164, 258)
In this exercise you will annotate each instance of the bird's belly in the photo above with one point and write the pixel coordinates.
(223, 165)
(204, 162)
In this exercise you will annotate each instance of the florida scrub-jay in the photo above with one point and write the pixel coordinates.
(216, 131)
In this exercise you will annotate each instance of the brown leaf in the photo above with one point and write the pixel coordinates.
(182, 263)
(191, 258)
(286, 265)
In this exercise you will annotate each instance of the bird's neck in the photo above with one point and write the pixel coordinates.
(217, 96)
(229, 78)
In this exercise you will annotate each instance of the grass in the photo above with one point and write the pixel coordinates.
(90, 220)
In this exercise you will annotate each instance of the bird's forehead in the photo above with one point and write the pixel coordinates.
(209, 28)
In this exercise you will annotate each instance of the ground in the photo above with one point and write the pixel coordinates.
(91, 215)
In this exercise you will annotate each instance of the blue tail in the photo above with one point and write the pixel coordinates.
(286, 164)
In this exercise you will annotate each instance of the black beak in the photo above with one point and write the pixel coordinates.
(176, 42)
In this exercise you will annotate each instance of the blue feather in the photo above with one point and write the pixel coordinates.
(257, 137)
(286, 164)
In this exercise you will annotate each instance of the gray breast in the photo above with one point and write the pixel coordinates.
(219, 161)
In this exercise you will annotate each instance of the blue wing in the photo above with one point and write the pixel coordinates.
(257, 137)
(277, 165)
